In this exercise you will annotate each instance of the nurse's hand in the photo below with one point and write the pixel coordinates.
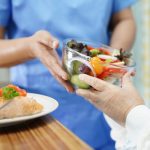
(115, 101)
(43, 46)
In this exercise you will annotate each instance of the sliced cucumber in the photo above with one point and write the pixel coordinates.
(77, 82)
(76, 65)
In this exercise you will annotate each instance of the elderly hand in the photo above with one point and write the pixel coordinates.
(43, 47)
(115, 101)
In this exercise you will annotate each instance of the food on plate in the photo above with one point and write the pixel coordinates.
(100, 61)
(14, 103)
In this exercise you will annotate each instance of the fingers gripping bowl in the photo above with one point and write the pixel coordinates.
(98, 60)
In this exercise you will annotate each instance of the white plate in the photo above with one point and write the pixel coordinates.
(49, 105)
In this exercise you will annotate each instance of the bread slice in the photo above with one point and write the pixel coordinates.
(19, 106)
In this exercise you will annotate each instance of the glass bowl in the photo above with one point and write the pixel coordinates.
(95, 59)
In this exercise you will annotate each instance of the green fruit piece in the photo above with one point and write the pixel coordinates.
(72, 44)
(77, 82)
(116, 52)
(94, 52)
(76, 67)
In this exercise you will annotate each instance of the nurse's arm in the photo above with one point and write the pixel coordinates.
(123, 29)
(13, 52)
(41, 45)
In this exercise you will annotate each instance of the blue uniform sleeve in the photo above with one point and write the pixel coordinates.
(119, 5)
(5, 10)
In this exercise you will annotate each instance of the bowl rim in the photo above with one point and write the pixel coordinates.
(96, 43)
(99, 44)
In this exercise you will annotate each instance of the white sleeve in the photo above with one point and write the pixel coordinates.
(120, 136)
(138, 126)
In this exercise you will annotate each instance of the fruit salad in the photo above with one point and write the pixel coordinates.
(96, 60)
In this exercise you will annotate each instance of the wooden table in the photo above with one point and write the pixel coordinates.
(44, 133)
(40, 134)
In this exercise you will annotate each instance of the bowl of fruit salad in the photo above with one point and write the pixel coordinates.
(95, 59)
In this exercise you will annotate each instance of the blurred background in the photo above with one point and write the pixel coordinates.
(141, 50)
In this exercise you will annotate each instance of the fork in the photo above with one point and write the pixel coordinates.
(4, 105)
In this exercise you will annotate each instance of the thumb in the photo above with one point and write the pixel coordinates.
(52, 43)
(55, 43)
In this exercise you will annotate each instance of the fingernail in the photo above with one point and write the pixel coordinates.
(44, 42)
(81, 77)
(65, 77)
(54, 44)
(78, 91)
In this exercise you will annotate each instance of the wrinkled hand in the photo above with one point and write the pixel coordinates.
(43, 46)
(115, 101)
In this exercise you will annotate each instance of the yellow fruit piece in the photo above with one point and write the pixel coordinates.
(97, 65)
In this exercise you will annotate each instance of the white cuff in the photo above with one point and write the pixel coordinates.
(137, 120)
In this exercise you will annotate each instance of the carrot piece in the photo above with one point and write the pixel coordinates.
(97, 65)
(1, 92)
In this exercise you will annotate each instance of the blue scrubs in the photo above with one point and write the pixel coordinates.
(84, 19)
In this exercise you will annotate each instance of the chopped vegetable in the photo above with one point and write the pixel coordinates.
(89, 47)
(104, 57)
(80, 84)
(1, 92)
(94, 52)
(103, 62)
(84, 69)
(74, 45)
(97, 65)
(22, 92)
(104, 51)
(10, 91)
(76, 65)
(116, 52)
(85, 52)
(107, 61)
(109, 71)
(104, 74)
(85, 62)
(121, 63)
(117, 70)
(124, 56)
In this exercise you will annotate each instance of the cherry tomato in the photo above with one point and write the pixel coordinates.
(22, 93)
(19, 90)
(89, 47)
(106, 52)
(117, 70)
(1, 92)
(97, 65)
(104, 74)
(14, 87)
(108, 71)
